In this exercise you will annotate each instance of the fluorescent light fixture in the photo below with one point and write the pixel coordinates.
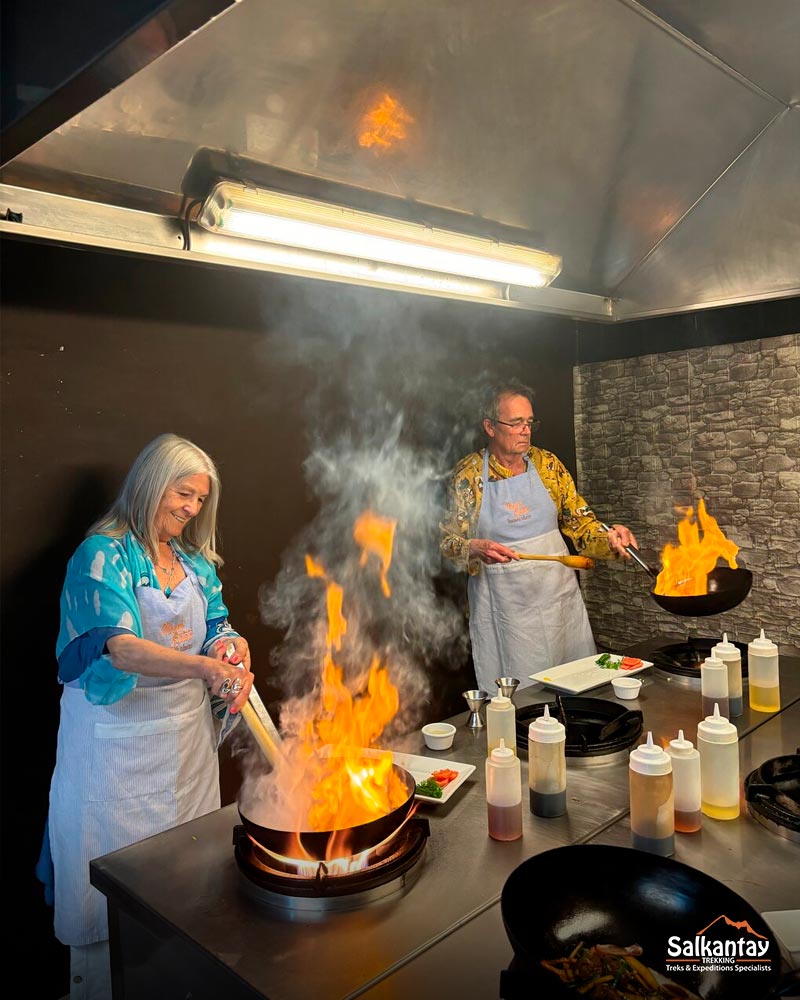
(345, 234)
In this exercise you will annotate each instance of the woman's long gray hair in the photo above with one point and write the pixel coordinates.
(164, 463)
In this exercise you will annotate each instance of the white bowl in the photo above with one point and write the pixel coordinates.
(438, 735)
(626, 687)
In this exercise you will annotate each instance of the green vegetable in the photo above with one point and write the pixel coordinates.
(607, 663)
(430, 788)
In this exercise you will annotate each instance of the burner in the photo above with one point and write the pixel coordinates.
(680, 661)
(269, 880)
(598, 732)
(773, 795)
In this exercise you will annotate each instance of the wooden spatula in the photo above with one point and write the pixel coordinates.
(574, 562)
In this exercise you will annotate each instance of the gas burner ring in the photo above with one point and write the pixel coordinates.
(320, 893)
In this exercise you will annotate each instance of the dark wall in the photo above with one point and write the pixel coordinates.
(101, 353)
(682, 332)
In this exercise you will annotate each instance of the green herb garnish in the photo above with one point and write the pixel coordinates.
(430, 788)
(607, 663)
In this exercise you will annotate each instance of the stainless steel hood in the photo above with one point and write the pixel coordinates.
(654, 145)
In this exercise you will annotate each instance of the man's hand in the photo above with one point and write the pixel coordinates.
(490, 552)
(619, 537)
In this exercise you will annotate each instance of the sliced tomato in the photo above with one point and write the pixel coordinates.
(444, 777)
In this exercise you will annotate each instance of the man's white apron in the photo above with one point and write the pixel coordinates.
(524, 616)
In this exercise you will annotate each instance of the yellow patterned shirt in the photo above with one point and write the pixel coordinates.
(465, 493)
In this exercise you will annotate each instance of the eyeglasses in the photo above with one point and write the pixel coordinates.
(517, 425)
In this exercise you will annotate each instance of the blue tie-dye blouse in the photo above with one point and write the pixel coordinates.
(99, 601)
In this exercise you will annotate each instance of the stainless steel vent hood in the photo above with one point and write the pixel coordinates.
(653, 145)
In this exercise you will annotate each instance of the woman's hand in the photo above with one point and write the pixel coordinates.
(229, 676)
(619, 537)
(490, 552)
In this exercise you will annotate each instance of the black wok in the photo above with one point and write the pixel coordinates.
(616, 895)
(727, 588)
(319, 845)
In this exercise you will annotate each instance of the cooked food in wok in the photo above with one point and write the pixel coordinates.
(609, 972)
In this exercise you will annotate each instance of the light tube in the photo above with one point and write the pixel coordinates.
(292, 221)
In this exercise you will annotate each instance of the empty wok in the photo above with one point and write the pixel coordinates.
(616, 895)
(319, 845)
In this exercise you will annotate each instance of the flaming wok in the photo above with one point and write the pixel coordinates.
(319, 845)
(727, 588)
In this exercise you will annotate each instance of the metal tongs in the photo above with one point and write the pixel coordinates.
(259, 722)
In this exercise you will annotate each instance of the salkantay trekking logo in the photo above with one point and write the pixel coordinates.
(725, 945)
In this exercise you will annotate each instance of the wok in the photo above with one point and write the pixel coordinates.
(616, 895)
(319, 845)
(727, 588)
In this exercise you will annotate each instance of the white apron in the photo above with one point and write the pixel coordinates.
(523, 616)
(131, 769)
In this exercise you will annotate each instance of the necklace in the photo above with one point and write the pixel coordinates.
(169, 570)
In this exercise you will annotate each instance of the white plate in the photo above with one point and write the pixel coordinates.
(422, 768)
(583, 675)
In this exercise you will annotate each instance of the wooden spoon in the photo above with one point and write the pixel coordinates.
(574, 562)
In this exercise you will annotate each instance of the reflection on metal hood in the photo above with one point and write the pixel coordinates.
(653, 145)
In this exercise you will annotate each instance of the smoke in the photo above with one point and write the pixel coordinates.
(389, 412)
(386, 418)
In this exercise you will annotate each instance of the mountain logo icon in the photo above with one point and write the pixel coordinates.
(737, 925)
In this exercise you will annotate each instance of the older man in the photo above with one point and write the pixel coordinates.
(508, 499)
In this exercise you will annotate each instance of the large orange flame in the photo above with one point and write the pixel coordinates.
(376, 535)
(686, 565)
(350, 786)
(384, 124)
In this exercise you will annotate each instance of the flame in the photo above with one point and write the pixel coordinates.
(350, 784)
(376, 535)
(686, 565)
(384, 124)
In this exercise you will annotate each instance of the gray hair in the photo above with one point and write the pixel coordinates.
(163, 463)
(491, 402)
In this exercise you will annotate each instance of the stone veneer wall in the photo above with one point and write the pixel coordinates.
(658, 432)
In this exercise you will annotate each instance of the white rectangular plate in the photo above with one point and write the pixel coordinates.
(422, 768)
(583, 675)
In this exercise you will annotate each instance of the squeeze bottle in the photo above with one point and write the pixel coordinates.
(714, 686)
(501, 723)
(686, 784)
(504, 793)
(652, 799)
(547, 766)
(718, 743)
(762, 665)
(732, 658)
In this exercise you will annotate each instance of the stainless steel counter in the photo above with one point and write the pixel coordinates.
(180, 917)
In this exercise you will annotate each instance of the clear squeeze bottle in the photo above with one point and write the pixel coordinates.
(762, 665)
(686, 784)
(547, 766)
(504, 793)
(501, 722)
(732, 658)
(714, 686)
(718, 743)
(652, 799)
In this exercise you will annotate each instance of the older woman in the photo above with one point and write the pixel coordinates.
(144, 639)
(512, 498)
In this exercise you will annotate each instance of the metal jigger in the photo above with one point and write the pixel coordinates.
(476, 700)
(507, 685)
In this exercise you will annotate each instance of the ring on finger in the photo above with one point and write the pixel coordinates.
(225, 687)
(237, 685)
